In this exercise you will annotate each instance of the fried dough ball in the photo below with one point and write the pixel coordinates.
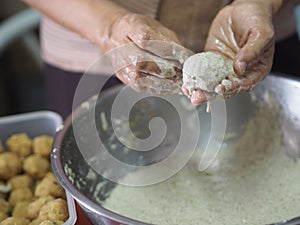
(4, 206)
(20, 144)
(3, 216)
(20, 194)
(1, 147)
(35, 206)
(52, 222)
(55, 210)
(10, 165)
(15, 221)
(35, 222)
(36, 166)
(20, 181)
(50, 186)
(21, 209)
(42, 145)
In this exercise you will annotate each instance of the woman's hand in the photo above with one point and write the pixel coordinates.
(242, 32)
(146, 55)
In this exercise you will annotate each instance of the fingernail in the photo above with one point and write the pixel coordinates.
(242, 67)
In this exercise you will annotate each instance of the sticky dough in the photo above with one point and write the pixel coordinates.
(205, 70)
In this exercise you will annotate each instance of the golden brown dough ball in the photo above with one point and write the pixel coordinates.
(3, 216)
(52, 222)
(50, 186)
(4, 206)
(55, 210)
(19, 195)
(1, 147)
(10, 165)
(20, 144)
(35, 206)
(36, 166)
(21, 210)
(20, 181)
(35, 222)
(15, 221)
(42, 145)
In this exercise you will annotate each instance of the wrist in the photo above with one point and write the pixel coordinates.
(104, 21)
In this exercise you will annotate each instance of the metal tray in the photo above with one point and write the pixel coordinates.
(34, 124)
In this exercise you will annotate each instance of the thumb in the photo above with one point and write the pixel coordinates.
(258, 41)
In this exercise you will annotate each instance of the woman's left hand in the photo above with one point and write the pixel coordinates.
(242, 32)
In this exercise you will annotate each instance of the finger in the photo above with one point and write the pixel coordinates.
(198, 97)
(160, 41)
(258, 41)
(131, 58)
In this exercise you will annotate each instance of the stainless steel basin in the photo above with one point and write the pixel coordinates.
(89, 188)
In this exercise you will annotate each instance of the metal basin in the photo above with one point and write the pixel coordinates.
(77, 174)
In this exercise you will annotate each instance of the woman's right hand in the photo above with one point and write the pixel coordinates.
(146, 55)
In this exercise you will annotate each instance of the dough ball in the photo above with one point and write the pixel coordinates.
(10, 165)
(1, 147)
(15, 221)
(19, 195)
(20, 144)
(35, 222)
(21, 181)
(35, 206)
(36, 166)
(50, 186)
(55, 210)
(21, 209)
(205, 70)
(52, 222)
(42, 145)
(4, 206)
(3, 216)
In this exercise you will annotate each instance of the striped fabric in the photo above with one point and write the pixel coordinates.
(147, 7)
(69, 51)
(190, 19)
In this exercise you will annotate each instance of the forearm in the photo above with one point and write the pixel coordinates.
(91, 19)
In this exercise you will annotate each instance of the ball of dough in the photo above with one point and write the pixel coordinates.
(55, 210)
(4, 206)
(10, 165)
(52, 222)
(42, 145)
(21, 209)
(15, 221)
(50, 186)
(205, 70)
(1, 147)
(20, 144)
(19, 195)
(20, 181)
(3, 216)
(35, 222)
(36, 166)
(35, 206)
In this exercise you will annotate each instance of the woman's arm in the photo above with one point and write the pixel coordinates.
(152, 52)
(92, 19)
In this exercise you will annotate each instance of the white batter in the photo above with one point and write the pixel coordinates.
(253, 182)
